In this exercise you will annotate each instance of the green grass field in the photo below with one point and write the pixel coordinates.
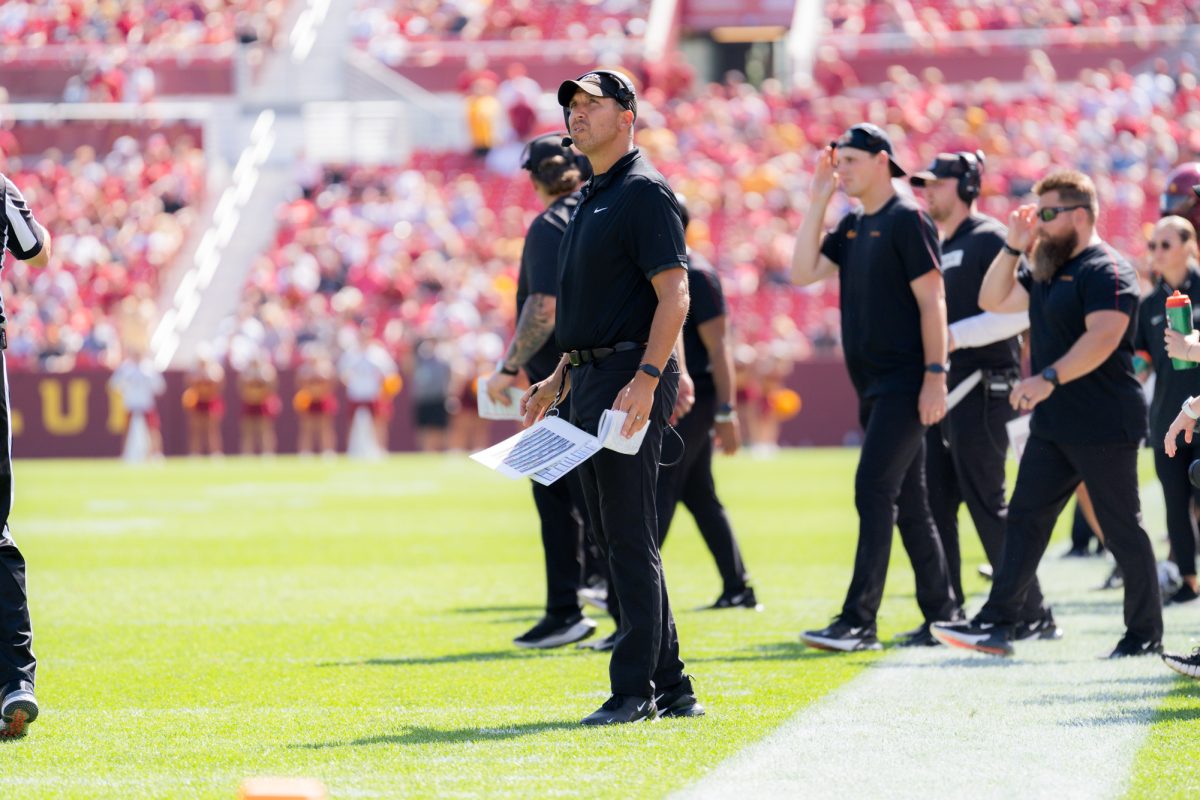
(200, 622)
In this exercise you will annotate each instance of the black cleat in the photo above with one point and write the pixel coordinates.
(1131, 645)
(1185, 594)
(842, 637)
(16, 712)
(1185, 665)
(1042, 628)
(679, 701)
(594, 594)
(743, 598)
(556, 631)
(1115, 580)
(600, 645)
(982, 637)
(1077, 551)
(620, 709)
(917, 637)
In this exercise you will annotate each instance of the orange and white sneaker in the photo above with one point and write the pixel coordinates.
(16, 712)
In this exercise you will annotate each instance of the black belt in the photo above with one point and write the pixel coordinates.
(580, 357)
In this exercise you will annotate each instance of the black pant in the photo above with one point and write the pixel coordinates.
(619, 491)
(1178, 495)
(17, 664)
(691, 480)
(560, 508)
(1047, 477)
(964, 462)
(889, 490)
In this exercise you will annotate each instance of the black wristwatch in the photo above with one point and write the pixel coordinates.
(651, 370)
(1051, 374)
(1012, 251)
(505, 369)
(937, 369)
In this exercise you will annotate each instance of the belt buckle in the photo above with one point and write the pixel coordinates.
(574, 358)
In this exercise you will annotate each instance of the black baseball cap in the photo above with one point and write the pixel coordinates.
(945, 165)
(600, 83)
(543, 147)
(870, 139)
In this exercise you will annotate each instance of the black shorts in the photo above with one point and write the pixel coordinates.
(432, 414)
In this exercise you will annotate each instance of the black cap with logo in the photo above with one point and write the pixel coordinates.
(600, 83)
(870, 139)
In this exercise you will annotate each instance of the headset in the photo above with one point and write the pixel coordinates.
(626, 96)
(971, 179)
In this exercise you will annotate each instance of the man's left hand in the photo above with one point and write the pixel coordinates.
(686, 397)
(931, 405)
(637, 400)
(498, 385)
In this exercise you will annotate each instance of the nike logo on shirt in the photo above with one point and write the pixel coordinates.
(598, 210)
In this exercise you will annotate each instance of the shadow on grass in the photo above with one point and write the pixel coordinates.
(418, 735)
(497, 609)
(449, 658)
(1184, 688)
(779, 651)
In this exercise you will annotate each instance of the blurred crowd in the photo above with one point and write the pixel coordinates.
(118, 219)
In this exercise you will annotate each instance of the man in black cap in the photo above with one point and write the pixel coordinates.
(25, 238)
(894, 337)
(555, 172)
(1089, 413)
(622, 302)
(965, 453)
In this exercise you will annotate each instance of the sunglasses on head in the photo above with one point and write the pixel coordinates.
(1152, 246)
(1050, 213)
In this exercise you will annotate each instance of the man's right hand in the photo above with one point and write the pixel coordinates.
(538, 398)
(1022, 225)
(825, 178)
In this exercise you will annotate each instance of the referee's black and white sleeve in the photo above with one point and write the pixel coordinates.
(22, 234)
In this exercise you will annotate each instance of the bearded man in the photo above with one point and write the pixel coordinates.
(1089, 413)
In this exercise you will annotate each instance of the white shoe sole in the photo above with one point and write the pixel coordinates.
(1190, 670)
(838, 645)
(580, 630)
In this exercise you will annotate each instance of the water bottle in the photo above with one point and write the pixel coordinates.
(1179, 317)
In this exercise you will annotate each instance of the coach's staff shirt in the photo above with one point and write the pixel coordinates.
(626, 230)
(1105, 406)
(966, 255)
(878, 256)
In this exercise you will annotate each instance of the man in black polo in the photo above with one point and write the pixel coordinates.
(556, 176)
(1089, 413)
(709, 356)
(893, 307)
(622, 302)
(966, 451)
(26, 239)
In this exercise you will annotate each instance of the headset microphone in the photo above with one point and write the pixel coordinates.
(567, 141)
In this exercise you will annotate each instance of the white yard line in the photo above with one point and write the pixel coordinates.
(1054, 721)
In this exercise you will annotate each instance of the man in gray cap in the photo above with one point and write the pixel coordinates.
(886, 257)
(622, 301)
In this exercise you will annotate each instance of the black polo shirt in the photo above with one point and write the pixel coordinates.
(966, 255)
(878, 255)
(1171, 386)
(708, 303)
(626, 230)
(539, 273)
(1105, 406)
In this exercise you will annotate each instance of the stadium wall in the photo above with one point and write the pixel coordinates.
(75, 415)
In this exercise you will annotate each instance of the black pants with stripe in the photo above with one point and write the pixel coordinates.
(17, 664)
(619, 491)
(1179, 495)
(690, 481)
(889, 490)
(1046, 479)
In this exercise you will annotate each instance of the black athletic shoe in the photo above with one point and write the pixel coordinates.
(917, 637)
(982, 637)
(16, 712)
(842, 637)
(556, 631)
(600, 645)
(1131, 645)
(1185, 665)
(1115, 580)
(985, 571)
(594, 594)
(1043, 628)
(743, 598)
(1185, 594)
(620, 709)
(1077, 551)
(679, 701)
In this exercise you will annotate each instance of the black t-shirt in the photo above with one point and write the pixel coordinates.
(708, 303)
(878, 255)
(966, 256)
(539, 273)
(1105, 406)
(626, 230)
(1171, 386)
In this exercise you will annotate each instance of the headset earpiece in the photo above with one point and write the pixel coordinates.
(969, 182)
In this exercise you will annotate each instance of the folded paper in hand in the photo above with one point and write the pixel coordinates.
(490, 409)
(553, 447)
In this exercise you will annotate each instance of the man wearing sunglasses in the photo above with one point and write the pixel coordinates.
(1089, 413)
(886, 257)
